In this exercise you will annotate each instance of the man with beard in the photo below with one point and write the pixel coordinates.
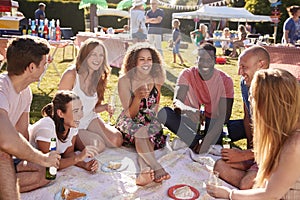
(196, 86)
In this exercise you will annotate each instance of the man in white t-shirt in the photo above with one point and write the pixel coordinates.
(26, 61)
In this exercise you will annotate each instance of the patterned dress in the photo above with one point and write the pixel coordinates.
(145, 117)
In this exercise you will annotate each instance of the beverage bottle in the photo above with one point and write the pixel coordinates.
(226, 141)
(29, 27)
(201, 126)
(33, 27)
(41, 28)
(52, 30)
(57, 31)
(51, 171)
(46, 30)
(36, 27)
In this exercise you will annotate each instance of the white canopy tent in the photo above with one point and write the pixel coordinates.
(222, 12)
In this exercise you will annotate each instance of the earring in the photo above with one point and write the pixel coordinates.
(61, 127)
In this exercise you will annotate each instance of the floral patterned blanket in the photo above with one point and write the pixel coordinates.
(182, 164)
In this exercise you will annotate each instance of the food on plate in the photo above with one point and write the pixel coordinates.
(70, 194)
(184, 192)
(114, 165)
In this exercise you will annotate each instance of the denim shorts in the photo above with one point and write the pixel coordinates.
(176, 48)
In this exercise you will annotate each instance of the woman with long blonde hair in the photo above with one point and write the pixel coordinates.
(88, 79)
(275, 101)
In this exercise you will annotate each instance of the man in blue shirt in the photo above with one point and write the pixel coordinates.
(154, 18)
(40, 12)
(291, 26)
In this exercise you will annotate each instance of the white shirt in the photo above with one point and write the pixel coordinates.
(44, 130)
(15, 104)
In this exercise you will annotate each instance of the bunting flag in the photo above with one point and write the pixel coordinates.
(218, 3)
(195, 7)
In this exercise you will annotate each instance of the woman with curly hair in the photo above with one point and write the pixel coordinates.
(275, 100)
(88, 79)
(139, 91)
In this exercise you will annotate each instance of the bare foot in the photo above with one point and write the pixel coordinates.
(145, 177)
(160, 175)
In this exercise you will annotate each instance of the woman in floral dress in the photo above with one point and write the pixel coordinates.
(139, 91)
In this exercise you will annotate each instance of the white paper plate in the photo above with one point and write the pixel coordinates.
(105, 168)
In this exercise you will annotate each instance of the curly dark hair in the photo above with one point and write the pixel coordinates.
(131, 57)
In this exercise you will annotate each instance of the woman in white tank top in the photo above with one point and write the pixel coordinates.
(88, 79)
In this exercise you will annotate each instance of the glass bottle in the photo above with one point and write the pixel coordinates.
(51, 171)
(33, 28)
(29, 27)
(41, 29)
(46, 30)
(201, 123)
(226, 141)
(57, 31)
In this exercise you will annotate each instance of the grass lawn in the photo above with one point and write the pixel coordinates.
(50, 81)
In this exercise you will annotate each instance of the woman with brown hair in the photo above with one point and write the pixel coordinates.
(88, 79)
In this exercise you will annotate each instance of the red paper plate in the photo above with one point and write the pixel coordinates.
(173, 188)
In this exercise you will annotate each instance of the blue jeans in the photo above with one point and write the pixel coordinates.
(186, 129)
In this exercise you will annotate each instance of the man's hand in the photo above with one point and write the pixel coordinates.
(235, 155)
(51, 159)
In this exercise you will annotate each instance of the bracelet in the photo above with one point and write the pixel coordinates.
(231, 193)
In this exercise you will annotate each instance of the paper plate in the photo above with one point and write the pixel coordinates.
(58, 194)
(173, 188)
(105, 168)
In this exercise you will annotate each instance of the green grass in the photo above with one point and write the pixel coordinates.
(49, 84)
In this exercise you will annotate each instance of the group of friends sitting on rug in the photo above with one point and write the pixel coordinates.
(271, 100)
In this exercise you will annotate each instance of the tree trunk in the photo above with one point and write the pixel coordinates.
(93, 17)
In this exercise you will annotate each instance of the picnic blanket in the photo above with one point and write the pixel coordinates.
(182, 164)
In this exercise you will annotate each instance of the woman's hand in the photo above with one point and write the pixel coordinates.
(87, 152)
(92, 166)
(218, 191)
(142, 92)
(110, 109)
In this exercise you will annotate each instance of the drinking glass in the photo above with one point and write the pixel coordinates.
(146, 98)
(213, 178)
(111, 107)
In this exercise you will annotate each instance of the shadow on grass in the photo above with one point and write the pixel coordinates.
(167, 90)
(67, 60)
(40, 100)
(171, 77)
(115, 71)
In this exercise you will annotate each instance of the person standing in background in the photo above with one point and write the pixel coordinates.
(291, 26)
(40, 12)
(137, 21)
(176, 41)
(154, 17)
